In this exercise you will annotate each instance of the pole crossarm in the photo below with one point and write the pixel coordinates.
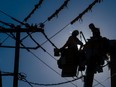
(20, 47)
(10, 30)
(8, 74)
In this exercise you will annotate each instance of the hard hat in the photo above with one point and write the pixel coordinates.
(75, 32)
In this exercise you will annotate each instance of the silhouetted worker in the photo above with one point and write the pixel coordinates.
(73, 41)
(69, 55)
(95, 31)
(96, 53)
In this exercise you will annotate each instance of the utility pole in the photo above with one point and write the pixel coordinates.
(0, 79)
(16, 62)
(113, 70)
(18, 31)
(113, 62)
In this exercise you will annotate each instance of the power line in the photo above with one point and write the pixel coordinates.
(61, 83)
(47, 65)
(65, 3)
(105, 79)
(32, 12)
(4, 40)
(58, 10)
(85, 11)
(76, 19)
(54, 84)
(31, 36)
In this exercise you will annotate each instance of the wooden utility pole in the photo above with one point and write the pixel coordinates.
(113, 62)
(0, 79)
(18, 31)
(113, 70)
(16, 62)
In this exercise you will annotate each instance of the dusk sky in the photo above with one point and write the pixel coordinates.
(39, 66)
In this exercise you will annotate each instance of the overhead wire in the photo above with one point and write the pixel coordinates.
(4, 40)
(53, 15)
(39, 58)
(89, 8)
(99, 83)
(41, 47)
(42, 60)
(55, 34)
(65, 3)
(27, 48)
(47, 65)
(30, 37)
(104, 80)
(12, 17)
(54, 84)
(75, 19)
(58, 31)
(23, 77)
(50, 17)
(15, 27)
(7, 24)
(58, 10)
(61, 83)
(59, 74)
(32, 12)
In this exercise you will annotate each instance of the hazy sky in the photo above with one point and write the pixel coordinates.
(102, 15)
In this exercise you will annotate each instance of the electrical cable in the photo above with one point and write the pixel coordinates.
(105, 80)
(30, 37)
(48, 39)
(58, 10)
(85, 11)
(55, 34)
(12, 18)
(47, 65)
(4, 40)
(76, 19)
(54, 14)
(23, 23)
(15, 27)
(54, 84)
(32, 12)
(10, 25)
(41, 46)
(99, 82)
